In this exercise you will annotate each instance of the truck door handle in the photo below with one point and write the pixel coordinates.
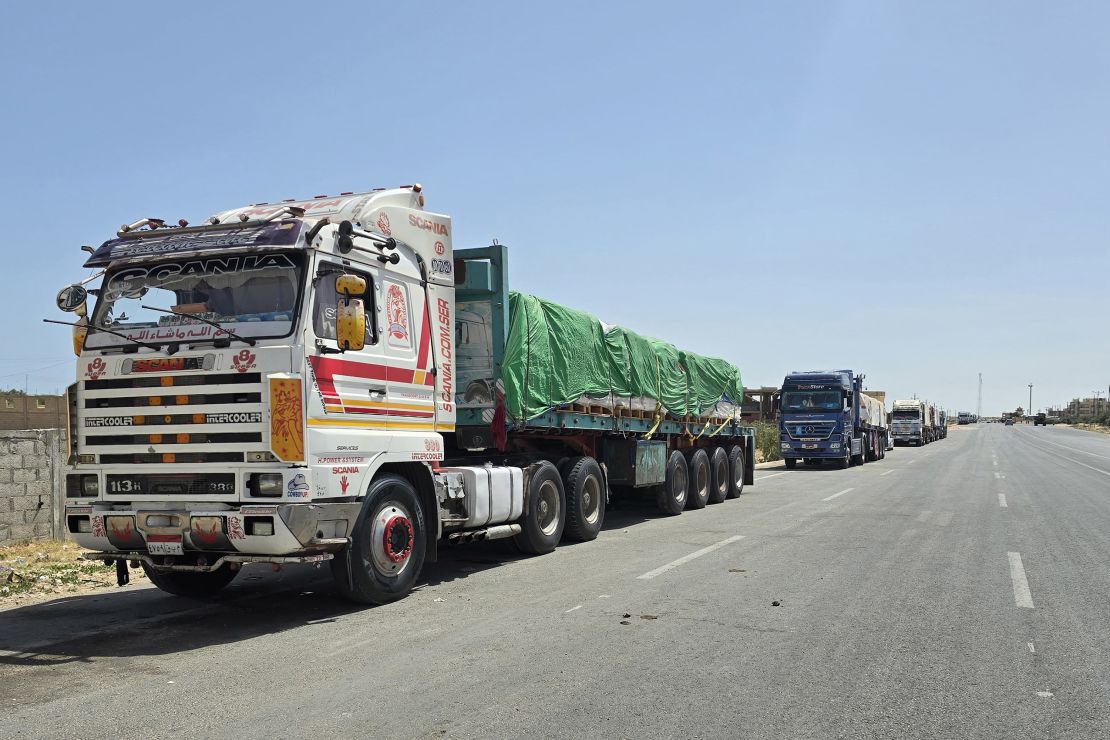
(377, 394)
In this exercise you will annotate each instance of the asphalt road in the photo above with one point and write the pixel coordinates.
(958, 590)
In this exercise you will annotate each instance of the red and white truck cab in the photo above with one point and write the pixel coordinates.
(273, 386)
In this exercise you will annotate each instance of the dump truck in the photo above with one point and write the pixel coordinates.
(909, 423)
(328, 381)
(826, 415)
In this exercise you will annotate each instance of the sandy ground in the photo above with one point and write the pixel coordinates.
(41, 571)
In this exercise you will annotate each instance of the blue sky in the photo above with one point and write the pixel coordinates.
(914, 190)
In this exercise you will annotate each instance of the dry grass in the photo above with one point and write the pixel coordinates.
(38, 571)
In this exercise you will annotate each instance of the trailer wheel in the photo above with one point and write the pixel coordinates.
(545, 506)
(701, 478)
(191, 585)
(671, 496)
(736, 471)
(585, 491)
(722, 475)
(386, 552)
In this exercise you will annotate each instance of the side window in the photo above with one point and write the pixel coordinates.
(398, 319)
(324, 305)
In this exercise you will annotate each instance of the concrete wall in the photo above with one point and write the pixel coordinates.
(32, 484)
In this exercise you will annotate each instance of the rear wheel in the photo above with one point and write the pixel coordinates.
(671, 496)
(545, 507)
(736, 471)
(585, 492)
(194, 585)
(386, 552)
(701, 479)
(718, 464)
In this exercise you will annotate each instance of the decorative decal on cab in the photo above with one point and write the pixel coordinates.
(286, 422)
(383, 225)
(243, 361)
(96, 368)
(397, 313)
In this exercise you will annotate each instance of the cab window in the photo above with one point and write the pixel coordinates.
(324, 305)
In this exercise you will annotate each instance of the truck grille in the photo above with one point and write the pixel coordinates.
(810, 429)
(171, 485)
(191, 418)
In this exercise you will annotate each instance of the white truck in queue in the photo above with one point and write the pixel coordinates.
(278, 385)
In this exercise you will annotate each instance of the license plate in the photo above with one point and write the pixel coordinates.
(164, 544)
(809, 447)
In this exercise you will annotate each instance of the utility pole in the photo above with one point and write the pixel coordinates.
(979, 408)
(1029, 412)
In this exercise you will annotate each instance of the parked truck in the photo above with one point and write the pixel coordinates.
(825, 415)
(942, 423)
(328, 381)
(909, 422)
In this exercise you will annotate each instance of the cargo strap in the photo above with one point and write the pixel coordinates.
(658, 421)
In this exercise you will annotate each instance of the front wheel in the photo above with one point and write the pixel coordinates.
(192, 585)
(387, 546)
(791, 462)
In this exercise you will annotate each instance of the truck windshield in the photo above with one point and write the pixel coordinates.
(811, 401)
(907, 414)
(253, 295)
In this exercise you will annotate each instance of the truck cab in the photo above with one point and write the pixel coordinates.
(908, 422)
(818, 416)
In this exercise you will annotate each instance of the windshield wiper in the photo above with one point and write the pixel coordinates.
(93, 328)
(210, 322)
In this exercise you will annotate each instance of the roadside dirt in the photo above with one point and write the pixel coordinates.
(41, 571)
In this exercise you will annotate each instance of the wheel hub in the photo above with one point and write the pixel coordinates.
(397, 539)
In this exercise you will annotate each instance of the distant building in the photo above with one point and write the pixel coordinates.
(18, 411)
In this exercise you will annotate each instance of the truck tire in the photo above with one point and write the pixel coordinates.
(791, 462)
(191, 585)
(670, 497)
(736, 471)
(545, 506)
(722, 475)
(387, 546)
(701, 478)
(845, 462)
(584, 486)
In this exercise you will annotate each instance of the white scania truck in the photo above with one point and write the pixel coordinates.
(280, 385)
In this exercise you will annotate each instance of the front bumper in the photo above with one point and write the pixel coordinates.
(201, 529)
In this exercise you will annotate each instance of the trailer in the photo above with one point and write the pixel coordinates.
(327, 381)
(826, 415)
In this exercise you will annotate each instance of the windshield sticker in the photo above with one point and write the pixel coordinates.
(133, 279)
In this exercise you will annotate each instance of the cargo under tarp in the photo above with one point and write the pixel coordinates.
(556, 356)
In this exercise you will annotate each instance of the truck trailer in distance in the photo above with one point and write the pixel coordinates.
(825, 415)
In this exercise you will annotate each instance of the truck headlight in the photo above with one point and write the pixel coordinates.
(784, 446)
(834, 446)
(266, 484)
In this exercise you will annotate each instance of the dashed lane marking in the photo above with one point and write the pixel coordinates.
(1002, 501)
(1023, 597)
(838, 493)
(886, 473)
(772, 475)
(573, 609)
(687, 558)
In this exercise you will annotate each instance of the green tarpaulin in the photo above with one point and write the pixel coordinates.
(555, 355)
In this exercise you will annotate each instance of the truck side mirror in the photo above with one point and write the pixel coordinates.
(350, 313)
(72, 299)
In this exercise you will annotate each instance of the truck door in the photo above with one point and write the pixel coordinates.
(352, 386)
(406, 342)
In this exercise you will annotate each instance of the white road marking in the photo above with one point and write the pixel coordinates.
(911, 462)
(604, 596)
(1075, 449)
(994, 463)
(886, 473)
(841, 493)
(687, 558)
(1045, 694)
(772, 475)
(1002, 501)
(1022, 596)
(998, 475)
(1031, 648)
(572, 609)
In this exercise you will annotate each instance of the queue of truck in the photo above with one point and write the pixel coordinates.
(329, 381)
